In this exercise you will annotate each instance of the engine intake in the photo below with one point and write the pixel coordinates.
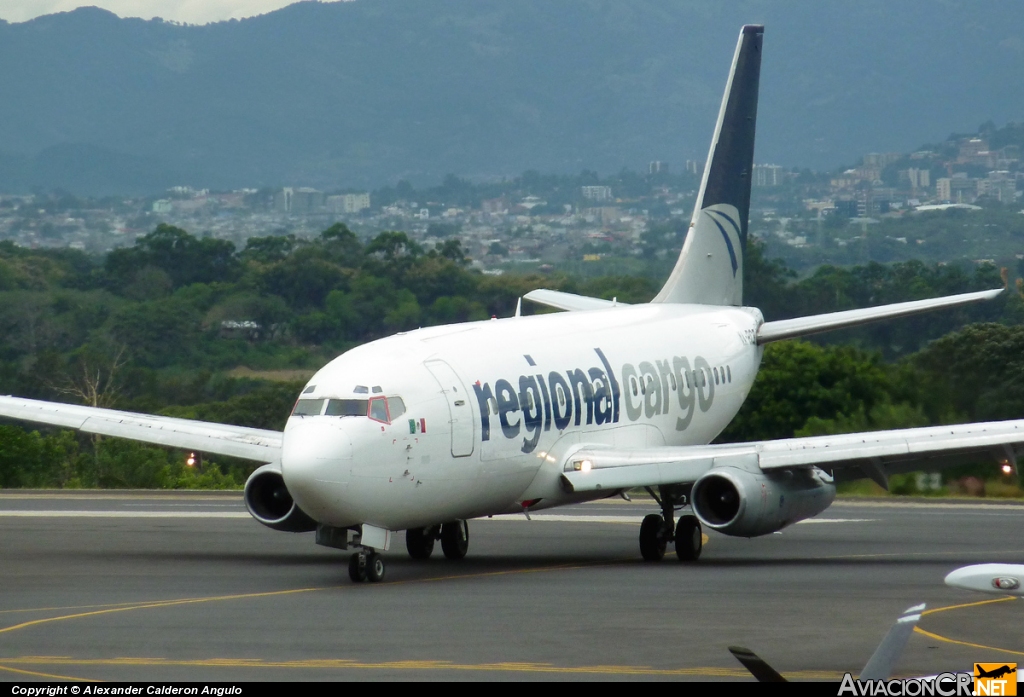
(269, 502)
(747, 504)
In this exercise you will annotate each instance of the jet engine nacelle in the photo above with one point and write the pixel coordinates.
(269, 502)
(747, 504)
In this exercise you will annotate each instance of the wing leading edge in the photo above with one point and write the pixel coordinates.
(875, 455)
(220, 439)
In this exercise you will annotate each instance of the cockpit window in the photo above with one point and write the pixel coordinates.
(377, 389)
(346, 407)
(308, 407)
(311, 388)
(396, 407)
(379, 410)
(361, 389)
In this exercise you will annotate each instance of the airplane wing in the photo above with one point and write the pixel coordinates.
(569, 301)
(874, 454)
(221, 439)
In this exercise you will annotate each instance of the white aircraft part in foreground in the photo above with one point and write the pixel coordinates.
(424, 430)
(997, 579)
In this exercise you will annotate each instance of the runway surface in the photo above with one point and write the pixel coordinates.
(185, 586)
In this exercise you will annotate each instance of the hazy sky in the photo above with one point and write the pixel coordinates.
(190, 11)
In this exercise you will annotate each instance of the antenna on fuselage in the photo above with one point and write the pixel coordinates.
(519, 308)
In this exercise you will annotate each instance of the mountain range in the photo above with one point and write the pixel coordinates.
(368, 92)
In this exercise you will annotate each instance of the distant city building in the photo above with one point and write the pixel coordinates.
(348, 203)
(531, 202)
(299, 200)
(163, 206)
(495, 206)
(657, 167)
(1001, 186)
(845, 207)
(597, 193)
(956, 189)
(694, 166)
(881, 160)
(768, 175)
(822, 207)
(974, 151)
(919, 178)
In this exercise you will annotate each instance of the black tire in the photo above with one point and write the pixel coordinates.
(419, 542)
(374, 568)
(455, 539)
(652, 539)
(689, 538)
(356, 571)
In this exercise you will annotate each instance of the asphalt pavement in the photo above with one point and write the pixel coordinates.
(185, 586)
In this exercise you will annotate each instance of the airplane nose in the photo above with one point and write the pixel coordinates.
(316, 457)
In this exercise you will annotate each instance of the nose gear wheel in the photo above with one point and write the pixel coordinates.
(366, 566)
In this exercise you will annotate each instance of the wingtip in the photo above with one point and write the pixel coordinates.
(753, 29)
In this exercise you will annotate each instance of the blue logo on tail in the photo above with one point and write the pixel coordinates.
(728, 241)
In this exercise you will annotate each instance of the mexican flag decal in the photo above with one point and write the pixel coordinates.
(417, 426)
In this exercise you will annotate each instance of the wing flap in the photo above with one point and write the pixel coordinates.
(221, 439)
(569, 301)
(608, 468)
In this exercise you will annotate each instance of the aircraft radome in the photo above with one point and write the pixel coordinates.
(427, 429)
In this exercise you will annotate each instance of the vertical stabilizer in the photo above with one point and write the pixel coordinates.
(710, 266)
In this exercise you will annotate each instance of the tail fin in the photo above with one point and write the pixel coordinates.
(710, 267)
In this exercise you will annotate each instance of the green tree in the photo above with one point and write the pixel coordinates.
(799, 381)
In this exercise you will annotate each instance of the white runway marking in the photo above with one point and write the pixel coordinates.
(838, 520)
(536, 517)
(123, 514)
(563, 518)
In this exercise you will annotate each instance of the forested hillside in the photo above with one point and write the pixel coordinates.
(192, 327)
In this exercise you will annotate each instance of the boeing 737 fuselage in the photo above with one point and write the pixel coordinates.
(478, 419)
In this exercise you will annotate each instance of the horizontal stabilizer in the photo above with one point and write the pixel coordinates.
(802, 326)
(569, 301)
(220, 439)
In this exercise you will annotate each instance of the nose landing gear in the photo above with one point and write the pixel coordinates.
(366, 566)
(657, 531)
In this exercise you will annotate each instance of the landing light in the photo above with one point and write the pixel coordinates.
(191, 461)
(1007, 469)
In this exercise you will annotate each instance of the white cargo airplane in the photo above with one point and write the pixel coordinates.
(424, 430)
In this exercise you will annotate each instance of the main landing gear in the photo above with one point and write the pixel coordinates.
(656, 531)
(454, 539)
